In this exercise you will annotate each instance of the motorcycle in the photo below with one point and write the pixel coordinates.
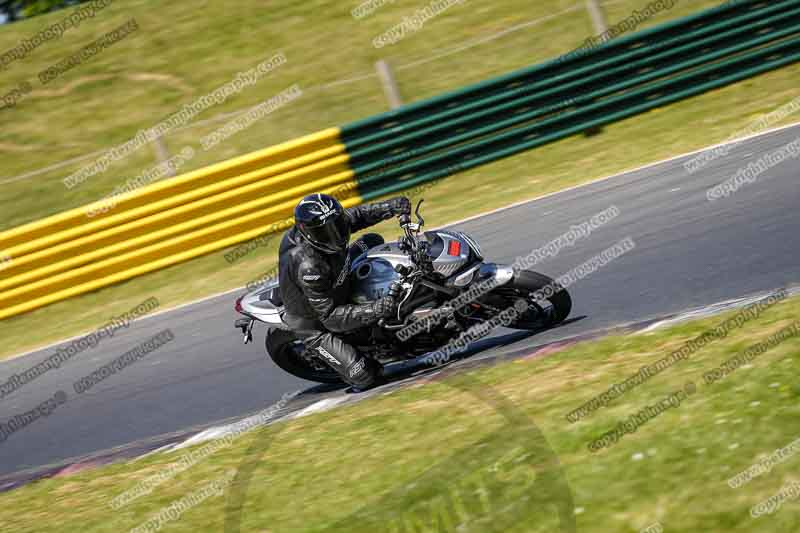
(429, 273)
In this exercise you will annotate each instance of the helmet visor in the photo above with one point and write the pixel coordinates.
(333, 235)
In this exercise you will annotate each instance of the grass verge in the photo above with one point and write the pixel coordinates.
(472, 451)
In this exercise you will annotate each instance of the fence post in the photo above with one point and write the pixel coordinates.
(389, 84)
(600, 27)
(162, 154)
(598, 16)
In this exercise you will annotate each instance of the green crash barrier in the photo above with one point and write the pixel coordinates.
(572, 94)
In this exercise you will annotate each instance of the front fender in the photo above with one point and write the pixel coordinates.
(502, 274)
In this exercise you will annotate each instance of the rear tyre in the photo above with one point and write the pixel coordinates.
(287, 351)
(524, 285)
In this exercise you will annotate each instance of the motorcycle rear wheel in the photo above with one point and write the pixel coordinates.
(286, 350)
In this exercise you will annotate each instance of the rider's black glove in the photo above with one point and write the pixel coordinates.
(394, 290)
(385, 307)
(401, 206)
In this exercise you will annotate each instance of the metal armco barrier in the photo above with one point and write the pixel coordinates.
(216, 207)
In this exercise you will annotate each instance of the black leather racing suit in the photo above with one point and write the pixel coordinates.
(315, 290)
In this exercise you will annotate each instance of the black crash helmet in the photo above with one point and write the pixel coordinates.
(321, 219)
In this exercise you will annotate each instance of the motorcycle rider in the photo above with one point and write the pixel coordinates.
(314, 262)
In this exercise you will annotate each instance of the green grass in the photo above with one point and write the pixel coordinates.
(183, 51)
(477, 449)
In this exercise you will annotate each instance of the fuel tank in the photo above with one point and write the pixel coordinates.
(373, 272)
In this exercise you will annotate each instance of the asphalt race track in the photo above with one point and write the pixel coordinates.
(689, 252)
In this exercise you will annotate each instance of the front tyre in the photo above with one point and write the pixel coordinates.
(525, 284)
(288, 353)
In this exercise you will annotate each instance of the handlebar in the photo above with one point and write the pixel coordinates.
(410, 242)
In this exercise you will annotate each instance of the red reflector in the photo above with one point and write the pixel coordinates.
(238, 306)
(454, 248)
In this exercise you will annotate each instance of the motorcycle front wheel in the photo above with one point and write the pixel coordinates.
(524, 285)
